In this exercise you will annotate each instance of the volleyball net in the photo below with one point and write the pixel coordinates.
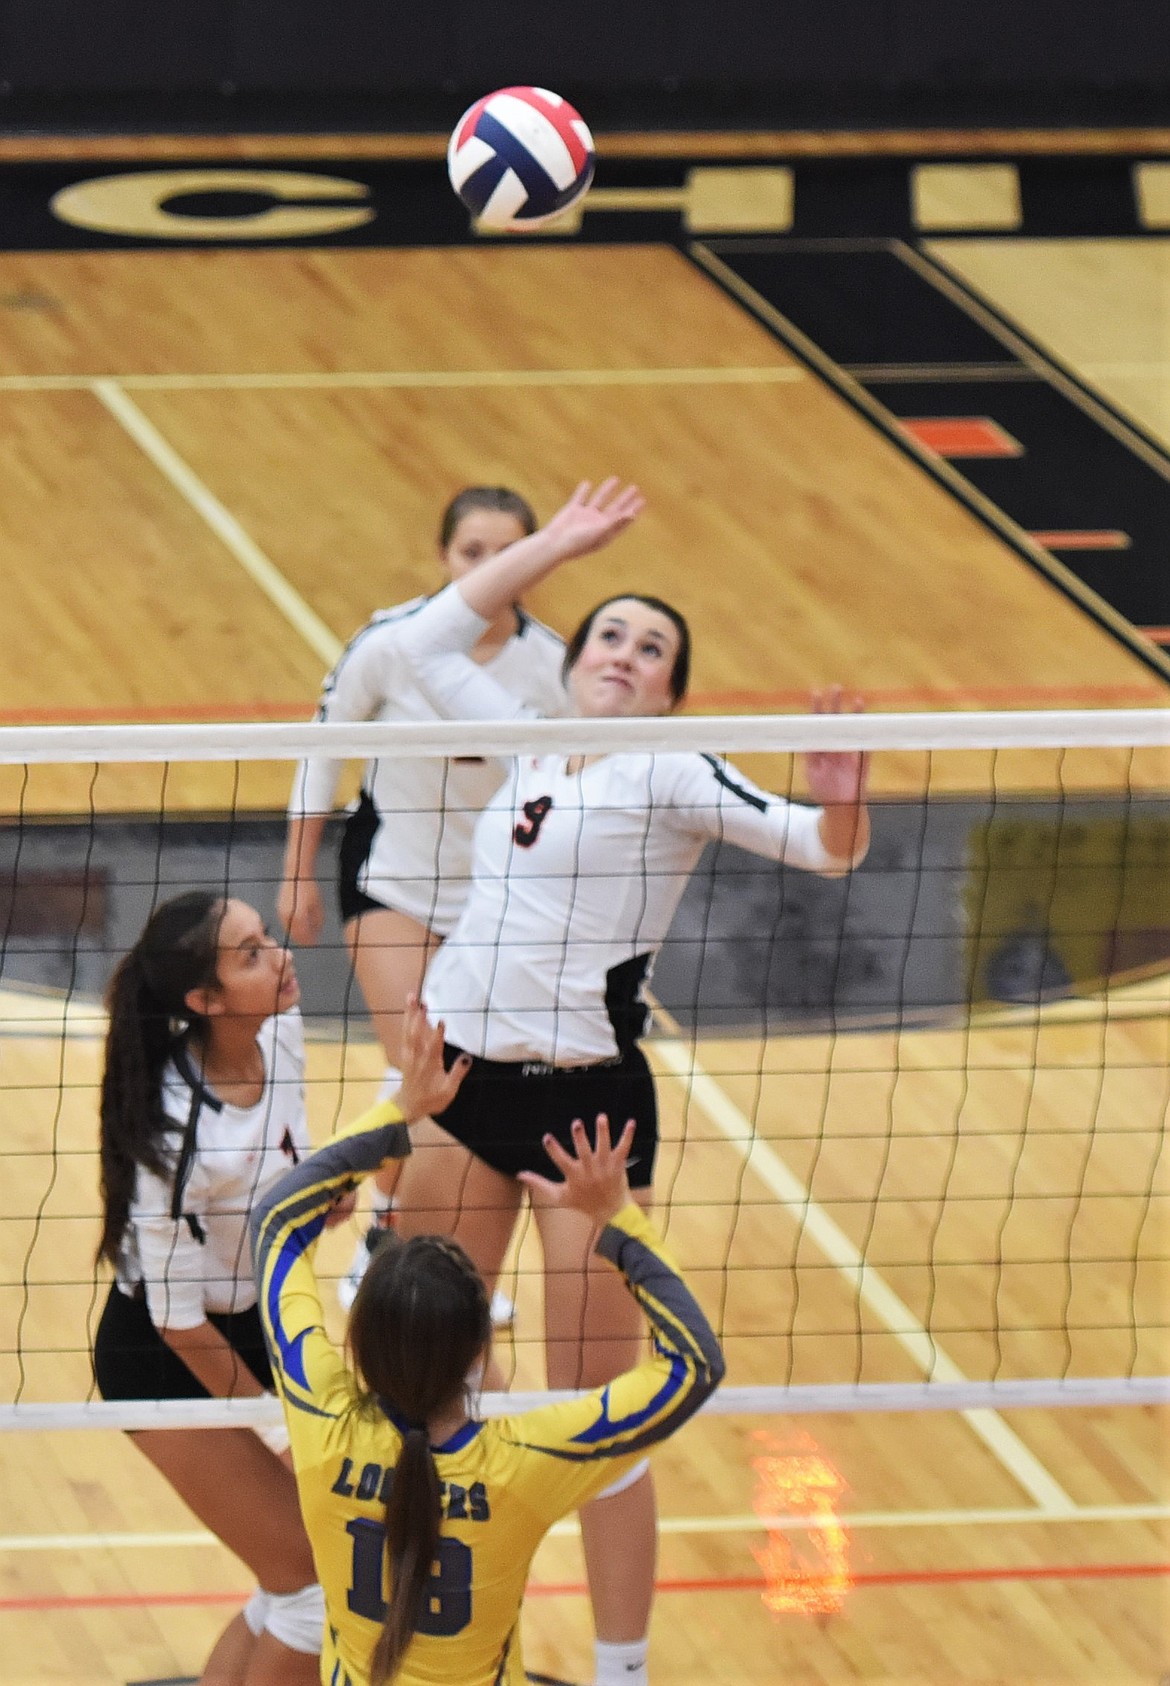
(913, 1121)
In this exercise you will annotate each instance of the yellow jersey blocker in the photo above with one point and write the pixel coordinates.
(504, 1481)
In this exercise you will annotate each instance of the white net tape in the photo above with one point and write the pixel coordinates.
(727, 734)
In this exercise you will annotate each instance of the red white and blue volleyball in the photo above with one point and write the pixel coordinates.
(518, 157)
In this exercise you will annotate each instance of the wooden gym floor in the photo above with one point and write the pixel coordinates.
(220, 461)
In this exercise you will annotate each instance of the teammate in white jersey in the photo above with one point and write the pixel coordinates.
(405, 857)
(202, 1111)
(579, 865)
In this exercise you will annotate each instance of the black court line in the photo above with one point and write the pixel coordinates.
(875, 304)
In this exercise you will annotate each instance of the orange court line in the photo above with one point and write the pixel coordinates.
(578, 1589)
(961, 436)
(158, 714)
(796, 699)
(894, 698)
(1078, 539)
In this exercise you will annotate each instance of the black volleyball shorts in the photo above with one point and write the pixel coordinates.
(504, 1108)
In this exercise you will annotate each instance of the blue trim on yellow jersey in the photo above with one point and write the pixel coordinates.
(504, 1481)
(453, 1443)
(290, 1250)
(606, 1429)
(461, 1438)
(401, 1423)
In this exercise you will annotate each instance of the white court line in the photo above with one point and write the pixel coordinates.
(903, 1519)
(870, 1288)
(309, 380)
(745, 1524)
(223, 524)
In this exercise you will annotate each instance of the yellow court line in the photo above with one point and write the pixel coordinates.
(38, 1019)
(36, 1016)
(780, 374)
(735, 144)
(735, 1524)
(636, 199)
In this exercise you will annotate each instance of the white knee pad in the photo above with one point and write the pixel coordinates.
(641, 1468)
(390, 1084)
(297, 1619)
(255, 1611)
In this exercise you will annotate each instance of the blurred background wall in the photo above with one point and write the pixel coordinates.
(631, 63)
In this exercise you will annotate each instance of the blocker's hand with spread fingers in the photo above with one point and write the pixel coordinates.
(592, 518)
(594, 1173)
(838, 782)
(837, 777)
(426, 1086)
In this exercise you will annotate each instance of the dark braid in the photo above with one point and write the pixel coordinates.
(421, 1319)
(147, 1004)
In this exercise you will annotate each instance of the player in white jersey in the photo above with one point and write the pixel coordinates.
(405, 857)
(202, 1112)
(579, 865)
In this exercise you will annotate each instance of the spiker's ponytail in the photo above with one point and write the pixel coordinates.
(419, 1323)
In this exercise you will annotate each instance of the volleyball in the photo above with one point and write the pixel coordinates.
(518, 157)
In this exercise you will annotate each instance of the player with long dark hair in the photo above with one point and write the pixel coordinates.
(423, 1518)
(202, 1109)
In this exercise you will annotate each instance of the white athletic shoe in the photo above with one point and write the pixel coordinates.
(349, 1284)
(503, 1310)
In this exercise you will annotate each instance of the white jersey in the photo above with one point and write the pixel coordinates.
(199, 1261)
(576, 876)
(420, 856)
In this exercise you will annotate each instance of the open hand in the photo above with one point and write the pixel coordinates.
(426, 1086)
(594, 1175)
(837, 777)
(591, 518)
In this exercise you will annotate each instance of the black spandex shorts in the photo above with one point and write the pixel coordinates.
(357, 840)
(132, 1361)
(504, 1108)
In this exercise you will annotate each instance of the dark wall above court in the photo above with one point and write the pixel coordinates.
(778, 62)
